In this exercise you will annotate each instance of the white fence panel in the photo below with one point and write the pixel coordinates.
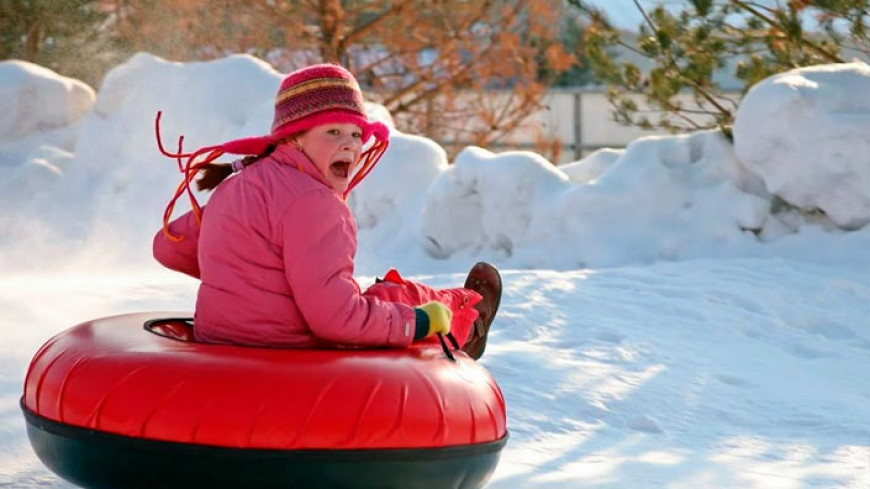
(582, 121)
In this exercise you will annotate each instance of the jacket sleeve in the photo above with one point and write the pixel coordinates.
(181, 256)
(319, 244)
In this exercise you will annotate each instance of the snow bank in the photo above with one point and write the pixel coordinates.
(113, 189)
(40, 121)
(487, 201)
(36, 101)
(807, 133)
(97, 199)
(663, 198)
(39, 125)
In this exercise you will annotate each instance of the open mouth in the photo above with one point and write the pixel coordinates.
(340, 169)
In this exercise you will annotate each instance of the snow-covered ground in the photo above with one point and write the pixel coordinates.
(683, 313)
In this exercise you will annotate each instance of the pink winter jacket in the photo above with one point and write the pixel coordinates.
(275, 258)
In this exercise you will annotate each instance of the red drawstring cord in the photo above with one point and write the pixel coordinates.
(167, 154)
(369, 159)
(189, 169)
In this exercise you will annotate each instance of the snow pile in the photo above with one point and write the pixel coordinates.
(110, 196)
(103, 190)
(39, 123)
(807, 133)
(38, 104)
(488, 201)
(662, 198)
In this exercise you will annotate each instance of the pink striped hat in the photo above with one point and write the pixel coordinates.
(311, 96)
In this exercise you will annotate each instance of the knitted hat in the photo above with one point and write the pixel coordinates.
(309, 97)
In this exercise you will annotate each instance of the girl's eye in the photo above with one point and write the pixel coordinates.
(357, 135)
(334, 132)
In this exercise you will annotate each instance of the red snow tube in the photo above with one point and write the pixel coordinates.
(110, 403)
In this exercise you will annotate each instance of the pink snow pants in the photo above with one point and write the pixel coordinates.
(460, 301)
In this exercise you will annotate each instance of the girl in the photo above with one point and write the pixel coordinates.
(274, 250)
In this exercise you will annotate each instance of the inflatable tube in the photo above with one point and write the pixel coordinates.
(131, 401)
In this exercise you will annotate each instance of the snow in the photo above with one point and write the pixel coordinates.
(828, 105)
(680, 313)
(36, 100)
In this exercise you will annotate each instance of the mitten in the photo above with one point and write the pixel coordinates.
(432, 317)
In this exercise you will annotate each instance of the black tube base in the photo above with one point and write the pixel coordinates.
(97, 460)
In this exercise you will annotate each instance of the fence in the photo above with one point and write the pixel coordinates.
(582, 120)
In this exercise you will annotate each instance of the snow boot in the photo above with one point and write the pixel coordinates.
(486, 281)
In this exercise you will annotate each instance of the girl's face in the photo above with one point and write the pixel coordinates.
(334, 149)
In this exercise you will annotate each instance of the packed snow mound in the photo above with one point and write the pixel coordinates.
(672, 197)
(807, 133)
(40, 120)
(40, 114)
(486, 201)
(207, 102)
(665, 198)
(38, 100)
(592, 166)
(101, 200)
(398, 185)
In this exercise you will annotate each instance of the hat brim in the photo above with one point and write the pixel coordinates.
(258, 145)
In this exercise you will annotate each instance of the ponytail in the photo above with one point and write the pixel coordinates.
(211, 174)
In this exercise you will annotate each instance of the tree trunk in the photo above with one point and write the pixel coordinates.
(33, 40)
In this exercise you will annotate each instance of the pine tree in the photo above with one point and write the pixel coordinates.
(687, 47)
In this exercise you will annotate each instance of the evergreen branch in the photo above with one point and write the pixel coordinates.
(830, 57)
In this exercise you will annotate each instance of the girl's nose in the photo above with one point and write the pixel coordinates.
(350, 142)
